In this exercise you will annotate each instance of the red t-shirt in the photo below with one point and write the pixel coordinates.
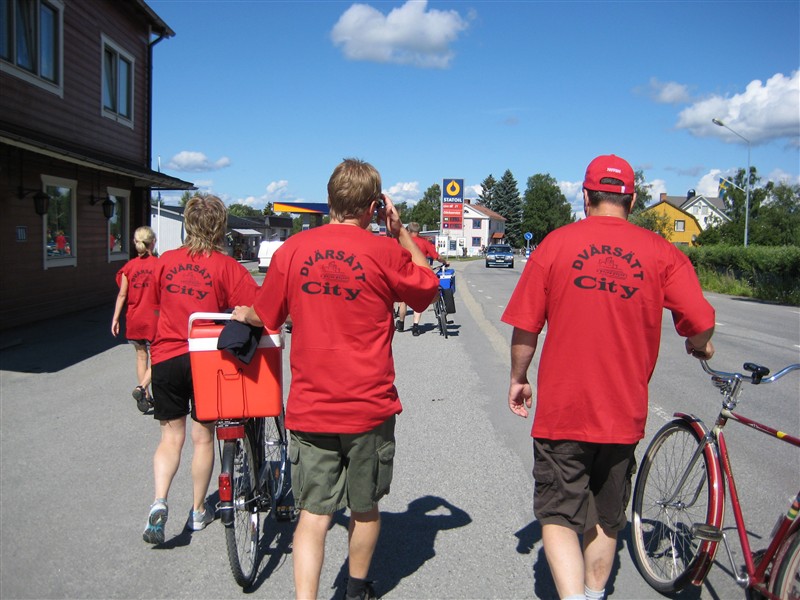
(426, 247)
(141, 315)
(601, 285)
(339, 283)
(189, 284)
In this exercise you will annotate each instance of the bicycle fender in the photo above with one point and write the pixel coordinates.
(716, 509)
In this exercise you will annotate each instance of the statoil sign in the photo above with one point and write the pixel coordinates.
(452, 204)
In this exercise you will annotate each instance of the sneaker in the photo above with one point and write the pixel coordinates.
(399, 325)
(415, 330)
(367, 592)
(199, 520)
(154, 532)
(140, 395)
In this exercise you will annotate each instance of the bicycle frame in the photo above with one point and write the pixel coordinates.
(715, 448)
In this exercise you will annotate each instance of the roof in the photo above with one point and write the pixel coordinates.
(143, 177)
(157, 22)
(486, 212)
(683, 201)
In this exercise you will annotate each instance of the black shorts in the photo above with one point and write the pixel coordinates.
(581, 484)
(173, 394)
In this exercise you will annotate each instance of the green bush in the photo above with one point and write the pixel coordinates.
(763, 272)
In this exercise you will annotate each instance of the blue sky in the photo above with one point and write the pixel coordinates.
(257, 100)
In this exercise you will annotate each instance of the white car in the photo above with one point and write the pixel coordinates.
(265, 252)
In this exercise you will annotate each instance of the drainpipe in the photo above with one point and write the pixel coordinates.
(149, 150)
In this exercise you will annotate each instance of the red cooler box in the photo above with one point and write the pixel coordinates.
(225, 387)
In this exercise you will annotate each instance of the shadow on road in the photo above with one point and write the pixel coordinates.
(406, 541)
(54, 344)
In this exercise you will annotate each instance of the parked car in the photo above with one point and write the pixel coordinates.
(265, 252)
(499, 255)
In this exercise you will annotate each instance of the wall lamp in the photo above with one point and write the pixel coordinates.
(41, 201)
(108, 206)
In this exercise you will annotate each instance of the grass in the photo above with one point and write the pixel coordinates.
(724, 283)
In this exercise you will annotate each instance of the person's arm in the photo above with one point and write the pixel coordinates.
(247, 315)
(700, 346)
(122, 297)
(395, 226)
(523, 347)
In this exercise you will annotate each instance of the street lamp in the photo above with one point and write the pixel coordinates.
(747, 192)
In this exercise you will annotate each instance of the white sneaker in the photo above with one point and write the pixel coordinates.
(199, 520)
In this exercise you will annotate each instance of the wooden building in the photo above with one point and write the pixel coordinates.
(75, 150)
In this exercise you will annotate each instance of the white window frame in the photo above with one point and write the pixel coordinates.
(113, 112)
(681, 223)
(122, 207)
(72, 260)
(9, 64)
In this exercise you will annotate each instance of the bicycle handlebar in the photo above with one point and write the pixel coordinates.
(758, 376)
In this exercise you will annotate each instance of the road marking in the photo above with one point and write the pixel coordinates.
(661, 413)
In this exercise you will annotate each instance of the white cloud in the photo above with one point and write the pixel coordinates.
(781, 176)
(573, 191)
(408, 35)
(196, 162)
(404, 191)
(762, 113)
(668, 92)
(657, 186)
(472, 192)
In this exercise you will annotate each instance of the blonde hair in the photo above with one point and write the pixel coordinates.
(144, 239)
(206, 221)
(352, 186)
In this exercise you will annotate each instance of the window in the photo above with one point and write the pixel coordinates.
(476, 223)
(31, 41)
(117, 83)
(680, 225)
(119, 234)
(476, 242)
(59, 222)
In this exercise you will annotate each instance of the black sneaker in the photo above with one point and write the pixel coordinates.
(399, 325)
(140, 395)
(415, 330)
(366, 593)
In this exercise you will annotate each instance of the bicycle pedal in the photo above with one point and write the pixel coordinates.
(709, 533)
(285, 513)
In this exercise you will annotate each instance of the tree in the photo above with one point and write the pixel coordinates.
(642, 190)
(243, 210)
(508, 204)
(777, 222)
(545, 207)
(653, 221)
(427, 210)
(268, 210)
(486, 197)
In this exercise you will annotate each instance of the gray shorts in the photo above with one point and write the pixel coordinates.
(334, 471)
(581, 484)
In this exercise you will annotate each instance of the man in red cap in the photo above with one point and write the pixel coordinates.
(600, 286)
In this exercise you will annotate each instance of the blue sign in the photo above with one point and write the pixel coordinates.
(453, 190)
(528, 236)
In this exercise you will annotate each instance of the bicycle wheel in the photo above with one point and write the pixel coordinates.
(241, 536)
(441, 315)
(276, 458)
(786, 581)
(665, 551)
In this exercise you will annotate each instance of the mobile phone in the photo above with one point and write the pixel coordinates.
(380, 203)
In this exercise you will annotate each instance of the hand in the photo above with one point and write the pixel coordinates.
(704, 352)
(115, 328)
(391, 216)
(520, 396)
(240, 314)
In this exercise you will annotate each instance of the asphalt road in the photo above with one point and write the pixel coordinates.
(76, 458)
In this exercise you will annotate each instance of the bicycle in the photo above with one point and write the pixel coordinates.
(679, 502)
(444, 299)
(254, 480)
(255, 476)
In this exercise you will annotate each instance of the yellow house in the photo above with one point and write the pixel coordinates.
(684, 228)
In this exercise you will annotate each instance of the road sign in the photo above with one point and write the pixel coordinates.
(528, 235)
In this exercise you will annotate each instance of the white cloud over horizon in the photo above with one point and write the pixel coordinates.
(196, 162)
(668, 92)
(763, 112)
(409, 35)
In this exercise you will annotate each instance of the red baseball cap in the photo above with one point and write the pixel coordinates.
(610, 166)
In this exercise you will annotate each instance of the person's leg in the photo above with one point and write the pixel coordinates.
(167, 458)
(563, 551)
(599, 548)
(202, 461)
(363, 534)
(308, 553)
(142, 365)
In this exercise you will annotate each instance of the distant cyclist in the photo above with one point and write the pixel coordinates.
(431, 254)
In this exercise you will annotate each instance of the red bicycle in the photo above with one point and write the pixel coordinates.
(679, 502)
